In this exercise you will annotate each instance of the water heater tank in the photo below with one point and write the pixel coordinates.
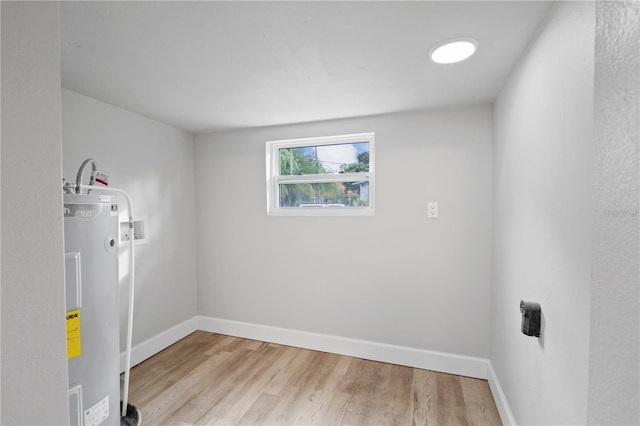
(91, 276)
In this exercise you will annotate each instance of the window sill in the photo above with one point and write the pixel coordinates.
(322, 211)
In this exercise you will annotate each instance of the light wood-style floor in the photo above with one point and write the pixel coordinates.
(210, 378)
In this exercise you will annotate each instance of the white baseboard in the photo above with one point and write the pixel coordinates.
(479, 368)
(152, 346)
(401, 355)
(500, 398)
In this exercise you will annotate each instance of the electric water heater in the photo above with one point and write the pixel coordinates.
(91, 277)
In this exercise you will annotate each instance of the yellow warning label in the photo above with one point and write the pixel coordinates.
(73, 334)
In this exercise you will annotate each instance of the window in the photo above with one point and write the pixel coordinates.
(327, 176)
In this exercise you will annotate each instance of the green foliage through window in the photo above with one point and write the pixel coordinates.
(316, 160)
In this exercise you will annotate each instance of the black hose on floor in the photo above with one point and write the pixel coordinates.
(133, 417)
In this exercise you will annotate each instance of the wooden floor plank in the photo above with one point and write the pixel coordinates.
(451, 408)
(232, 398)
(208, 379)
(479, 402)
(194, 384)
(318, 398)
(424, 393)
(398, 396)
(292, 396)
(259, 410)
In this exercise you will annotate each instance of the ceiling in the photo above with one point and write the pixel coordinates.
(210, 66)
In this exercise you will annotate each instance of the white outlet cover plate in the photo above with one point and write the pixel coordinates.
(432, 209)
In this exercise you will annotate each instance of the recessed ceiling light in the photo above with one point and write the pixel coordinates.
(453, 51)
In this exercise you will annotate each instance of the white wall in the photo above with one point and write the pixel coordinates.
(397, 277)
(154, 163)
(34, 363)
(614, 368)
(542, 220)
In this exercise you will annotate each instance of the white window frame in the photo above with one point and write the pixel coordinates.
(274, 178)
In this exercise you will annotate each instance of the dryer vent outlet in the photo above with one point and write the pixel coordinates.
(531, 318)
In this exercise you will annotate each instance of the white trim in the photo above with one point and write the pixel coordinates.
(402, 355)
(323, 140)
(500, 398)
(462, 365)
(273, 178)
(324, 211)
(161, 341)
(328, 178)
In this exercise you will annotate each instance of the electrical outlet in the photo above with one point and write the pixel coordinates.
(432, 209)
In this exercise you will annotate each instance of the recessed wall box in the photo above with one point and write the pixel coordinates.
(531, 317)
(140, 232)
